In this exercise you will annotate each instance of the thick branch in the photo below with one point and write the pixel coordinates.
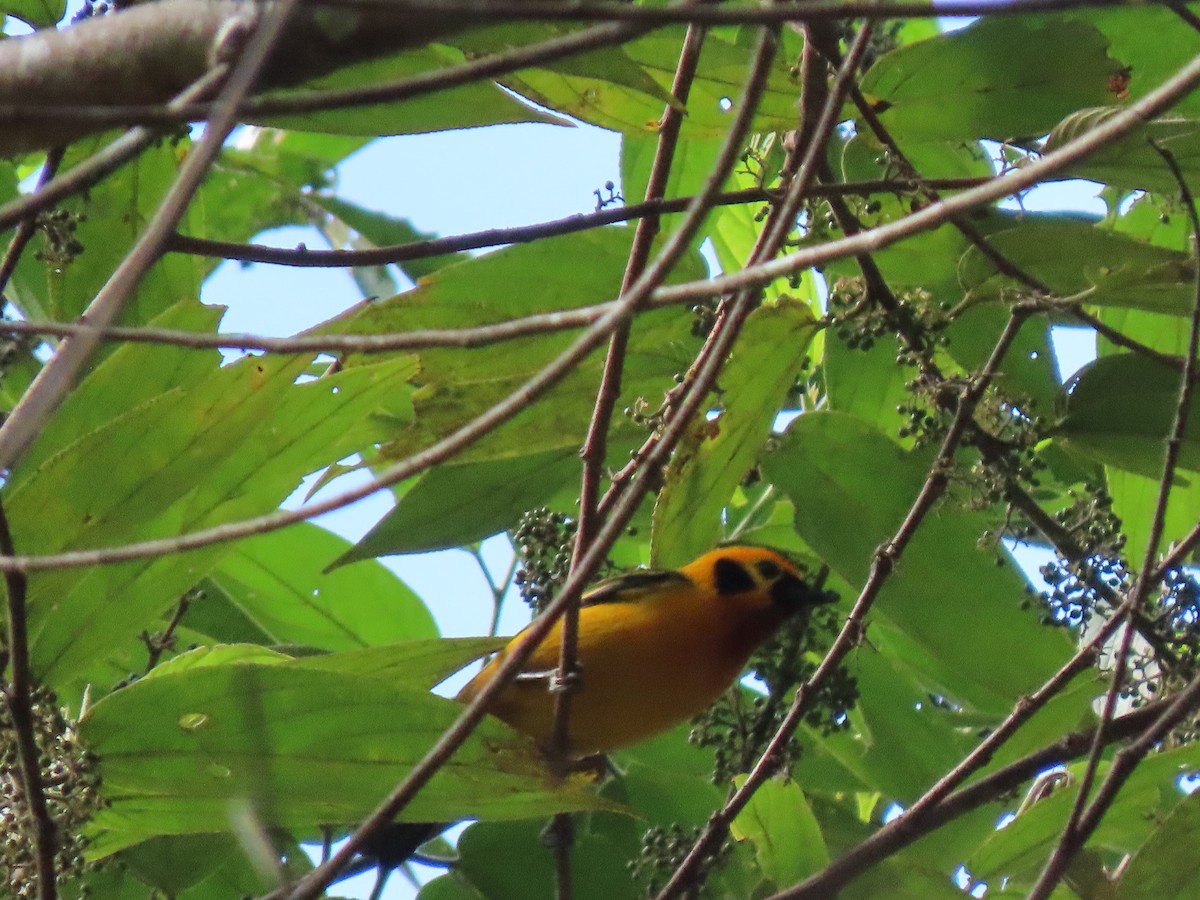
(149, 53)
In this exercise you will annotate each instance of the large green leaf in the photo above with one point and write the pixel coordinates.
(558, 273)
(613, 99)
(832, 466)
(300, 747)
(691, 166)
(1132, 162)
(786, 835)
(1149, 44)
(1017, 852)
(998, 78)
(106, 221)
(465, 106)
(717, 453)
(1073, 256)
(1119, 411)
(460, 503)
(277, 581)
(160, 441)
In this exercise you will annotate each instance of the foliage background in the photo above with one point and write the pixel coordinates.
(254, 717)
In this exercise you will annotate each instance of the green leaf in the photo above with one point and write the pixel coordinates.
(998, 78)
(303, 747)
(1030, 369)
(465, 106)
(1017, 852)
(901, 738)
(1154, 872)
(866, 382)
(460, 503)
(203, 865)
(831, 466)
(105, 222)
(142, 449)
(786, 835)
(1119, 410)
(38, 13)
(510, 861)
(449, 887)
(219, 655)
(690, 168)
(1074, 256)
(717, 454)
(558, 273)
(415, 664)
(277, 581)
(619, 103)
(1149, 44)
(1132, 162)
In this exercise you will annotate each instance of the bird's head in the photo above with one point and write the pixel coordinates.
(743, 569)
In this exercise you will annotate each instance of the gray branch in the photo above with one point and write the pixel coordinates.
(148, 54)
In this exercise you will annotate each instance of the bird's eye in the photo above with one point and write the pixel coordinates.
(767, 569)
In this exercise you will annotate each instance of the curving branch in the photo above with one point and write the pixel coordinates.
(494, 237)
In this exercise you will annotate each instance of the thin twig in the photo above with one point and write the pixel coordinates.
(920, 818)
(520, 234)
(733, 310)
(1002, 264)
(882, 565)
(1180, 707)
(157, 644)
(28, 226)
(55, 379)
(310, 344)
(18, 695)
(1075, 833)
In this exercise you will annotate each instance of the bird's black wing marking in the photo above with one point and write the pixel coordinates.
(631, 587)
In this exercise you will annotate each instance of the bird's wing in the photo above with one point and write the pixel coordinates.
(633, 586)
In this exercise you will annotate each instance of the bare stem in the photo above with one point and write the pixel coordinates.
(18, 695)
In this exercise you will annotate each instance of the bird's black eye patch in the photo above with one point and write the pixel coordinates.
(768, 569)
(731, 577)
